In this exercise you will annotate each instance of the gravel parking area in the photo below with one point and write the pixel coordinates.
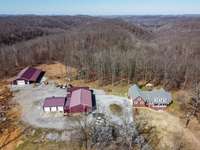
(104, 101)
(31, 99)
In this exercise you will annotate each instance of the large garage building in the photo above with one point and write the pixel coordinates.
(80, 101)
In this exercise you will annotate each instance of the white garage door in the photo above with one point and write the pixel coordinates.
(60, 108)
(47, 109)
(53, 109)
(20, 82)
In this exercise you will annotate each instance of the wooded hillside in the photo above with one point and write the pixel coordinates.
(108, 49)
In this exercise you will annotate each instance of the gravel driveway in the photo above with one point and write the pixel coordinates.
(104, 101)
(31, 99)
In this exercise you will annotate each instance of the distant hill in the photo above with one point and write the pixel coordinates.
(14, 29)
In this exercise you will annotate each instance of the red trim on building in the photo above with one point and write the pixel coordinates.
(139, 102)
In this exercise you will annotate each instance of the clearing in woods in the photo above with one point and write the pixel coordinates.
(167, 124)
(169, 127)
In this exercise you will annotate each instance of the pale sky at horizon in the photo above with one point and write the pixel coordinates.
(100, 7)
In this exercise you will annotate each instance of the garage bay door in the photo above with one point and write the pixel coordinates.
(21, 82)
(47, 109)
(60, 108)
(53, 109)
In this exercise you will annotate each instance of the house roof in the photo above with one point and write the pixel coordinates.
(156, 96)
(134, 91)
(81, 97)
(29, 73)
(54, 101)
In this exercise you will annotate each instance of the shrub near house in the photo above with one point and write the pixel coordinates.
(156, 99)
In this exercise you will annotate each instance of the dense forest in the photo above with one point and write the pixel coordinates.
(163, 50)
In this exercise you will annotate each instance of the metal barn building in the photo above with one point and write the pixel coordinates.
(54, 104)
(28, 75)
(80, 101)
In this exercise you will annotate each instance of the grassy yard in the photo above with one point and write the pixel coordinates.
(116, 109)
(179, 97)
(120, 89)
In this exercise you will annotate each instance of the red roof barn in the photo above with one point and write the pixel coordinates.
(80, 101)
(29, 75)
(74, 88)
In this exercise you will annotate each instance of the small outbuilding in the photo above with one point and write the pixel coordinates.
(80, 101)
(28, 75)
(54, 104)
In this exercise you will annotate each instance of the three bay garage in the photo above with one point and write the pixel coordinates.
(54, 104)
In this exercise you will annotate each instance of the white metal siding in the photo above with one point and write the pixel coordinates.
(60, 108)
(53, 109)
(21, 82)
(47, 109)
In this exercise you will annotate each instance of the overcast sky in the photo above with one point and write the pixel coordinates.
(99, 7)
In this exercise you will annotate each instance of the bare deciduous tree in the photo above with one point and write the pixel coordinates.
(193, 107)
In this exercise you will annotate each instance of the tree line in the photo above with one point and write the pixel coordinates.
(108, 52)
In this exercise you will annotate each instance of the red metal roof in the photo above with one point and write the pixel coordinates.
(70, 90)
(54, 101)
(29, 73)
(81, 97)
